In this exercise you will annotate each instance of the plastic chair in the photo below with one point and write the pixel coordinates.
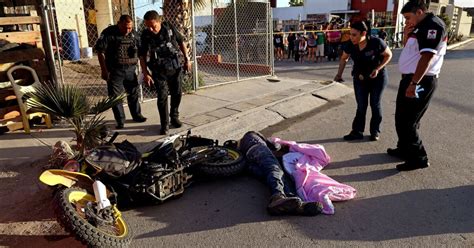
(20, 91)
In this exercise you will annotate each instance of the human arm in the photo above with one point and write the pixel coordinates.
(342, 64)
(429, 40)
(103, 67)
(142, 55)
(100, 47)
(406, 32)
(387, 56)
(146, 75)
(187, 62)
(421, 69)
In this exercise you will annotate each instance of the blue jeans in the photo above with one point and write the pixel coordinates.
(265, 166)
(365, 90)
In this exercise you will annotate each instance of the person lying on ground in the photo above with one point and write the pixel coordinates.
(263, 164)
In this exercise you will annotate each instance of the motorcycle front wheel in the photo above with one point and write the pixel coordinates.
(70, 206)
(221, 162)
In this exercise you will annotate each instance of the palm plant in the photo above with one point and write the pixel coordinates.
(70, 103)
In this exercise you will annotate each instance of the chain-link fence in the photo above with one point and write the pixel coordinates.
(229, 42)
(233, 41)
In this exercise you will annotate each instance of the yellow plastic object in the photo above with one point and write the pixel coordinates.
(20, 91)
(66, 178)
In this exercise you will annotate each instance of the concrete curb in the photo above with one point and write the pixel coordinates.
(260, 117)
(456, 45)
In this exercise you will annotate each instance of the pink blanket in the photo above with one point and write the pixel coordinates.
(304, 162)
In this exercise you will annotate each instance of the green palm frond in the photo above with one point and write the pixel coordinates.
(64, 101)
(107, 103)
(92, 131)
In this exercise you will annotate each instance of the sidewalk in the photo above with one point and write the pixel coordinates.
(222, 112)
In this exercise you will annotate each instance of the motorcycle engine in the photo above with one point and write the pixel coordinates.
(160, 181)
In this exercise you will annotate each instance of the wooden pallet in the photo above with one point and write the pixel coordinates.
(33, 57)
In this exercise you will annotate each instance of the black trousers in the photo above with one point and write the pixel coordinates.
(168, 84)
(291, 51)
(121, 77)
(408, 114)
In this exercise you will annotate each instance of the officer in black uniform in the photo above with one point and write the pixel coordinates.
(161, 43)
(420, 64)
(117, 50)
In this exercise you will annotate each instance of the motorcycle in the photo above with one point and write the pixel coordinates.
(85, 202)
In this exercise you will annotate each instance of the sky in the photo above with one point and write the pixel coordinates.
(462, 3)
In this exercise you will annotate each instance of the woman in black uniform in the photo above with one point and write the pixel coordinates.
(370, 55)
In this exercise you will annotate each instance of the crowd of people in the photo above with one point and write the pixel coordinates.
(316, 42)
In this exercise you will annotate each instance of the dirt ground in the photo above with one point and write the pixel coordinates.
(26, 218)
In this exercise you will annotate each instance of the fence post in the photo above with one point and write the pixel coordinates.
(212, 26)
(48, 41)
(193, 46)
(236, 42)
(52, 17)
(272, 49)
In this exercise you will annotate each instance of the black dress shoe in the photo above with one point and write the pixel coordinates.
(409, 166)
(119, 126)
(396, 152)
(139, 118)
(374, 137)
(175, 122)
(354, 135)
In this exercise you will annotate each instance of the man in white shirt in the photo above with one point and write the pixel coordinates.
(420, 64)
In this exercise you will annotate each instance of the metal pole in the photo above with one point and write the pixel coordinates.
(373, 18)
(267, 27)
(212, 25)
(49, 44)
(272, 49)
(236, 42)
(194, 60)
(56, 34)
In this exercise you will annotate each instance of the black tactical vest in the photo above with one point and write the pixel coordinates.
(127, 50)
(166, 46)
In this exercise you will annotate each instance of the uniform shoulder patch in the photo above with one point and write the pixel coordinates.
(432, 34)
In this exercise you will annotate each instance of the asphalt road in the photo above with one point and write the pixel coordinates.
(425, 208)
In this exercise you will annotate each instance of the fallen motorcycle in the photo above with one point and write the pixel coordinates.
(86, 202)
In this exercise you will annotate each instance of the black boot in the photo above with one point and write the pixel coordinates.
(354, 135)
(309, 208)
(280, 204)
(175, 122)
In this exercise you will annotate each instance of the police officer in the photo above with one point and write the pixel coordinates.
(370, 56)
(118, 57)
(162, 42)
(420, 64)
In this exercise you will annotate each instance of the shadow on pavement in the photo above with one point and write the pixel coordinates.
(366, 176)
(407, 214)
(363, 160)
(209, 206)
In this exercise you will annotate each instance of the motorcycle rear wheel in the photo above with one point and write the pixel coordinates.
(69, 206)
(229, 165)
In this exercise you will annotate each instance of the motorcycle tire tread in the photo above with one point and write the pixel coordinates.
(223, 170)
(81, 229)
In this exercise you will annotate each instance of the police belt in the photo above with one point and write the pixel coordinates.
(410, 75)
(122, 66)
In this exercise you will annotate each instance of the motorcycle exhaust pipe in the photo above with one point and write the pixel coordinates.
(100, 193)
